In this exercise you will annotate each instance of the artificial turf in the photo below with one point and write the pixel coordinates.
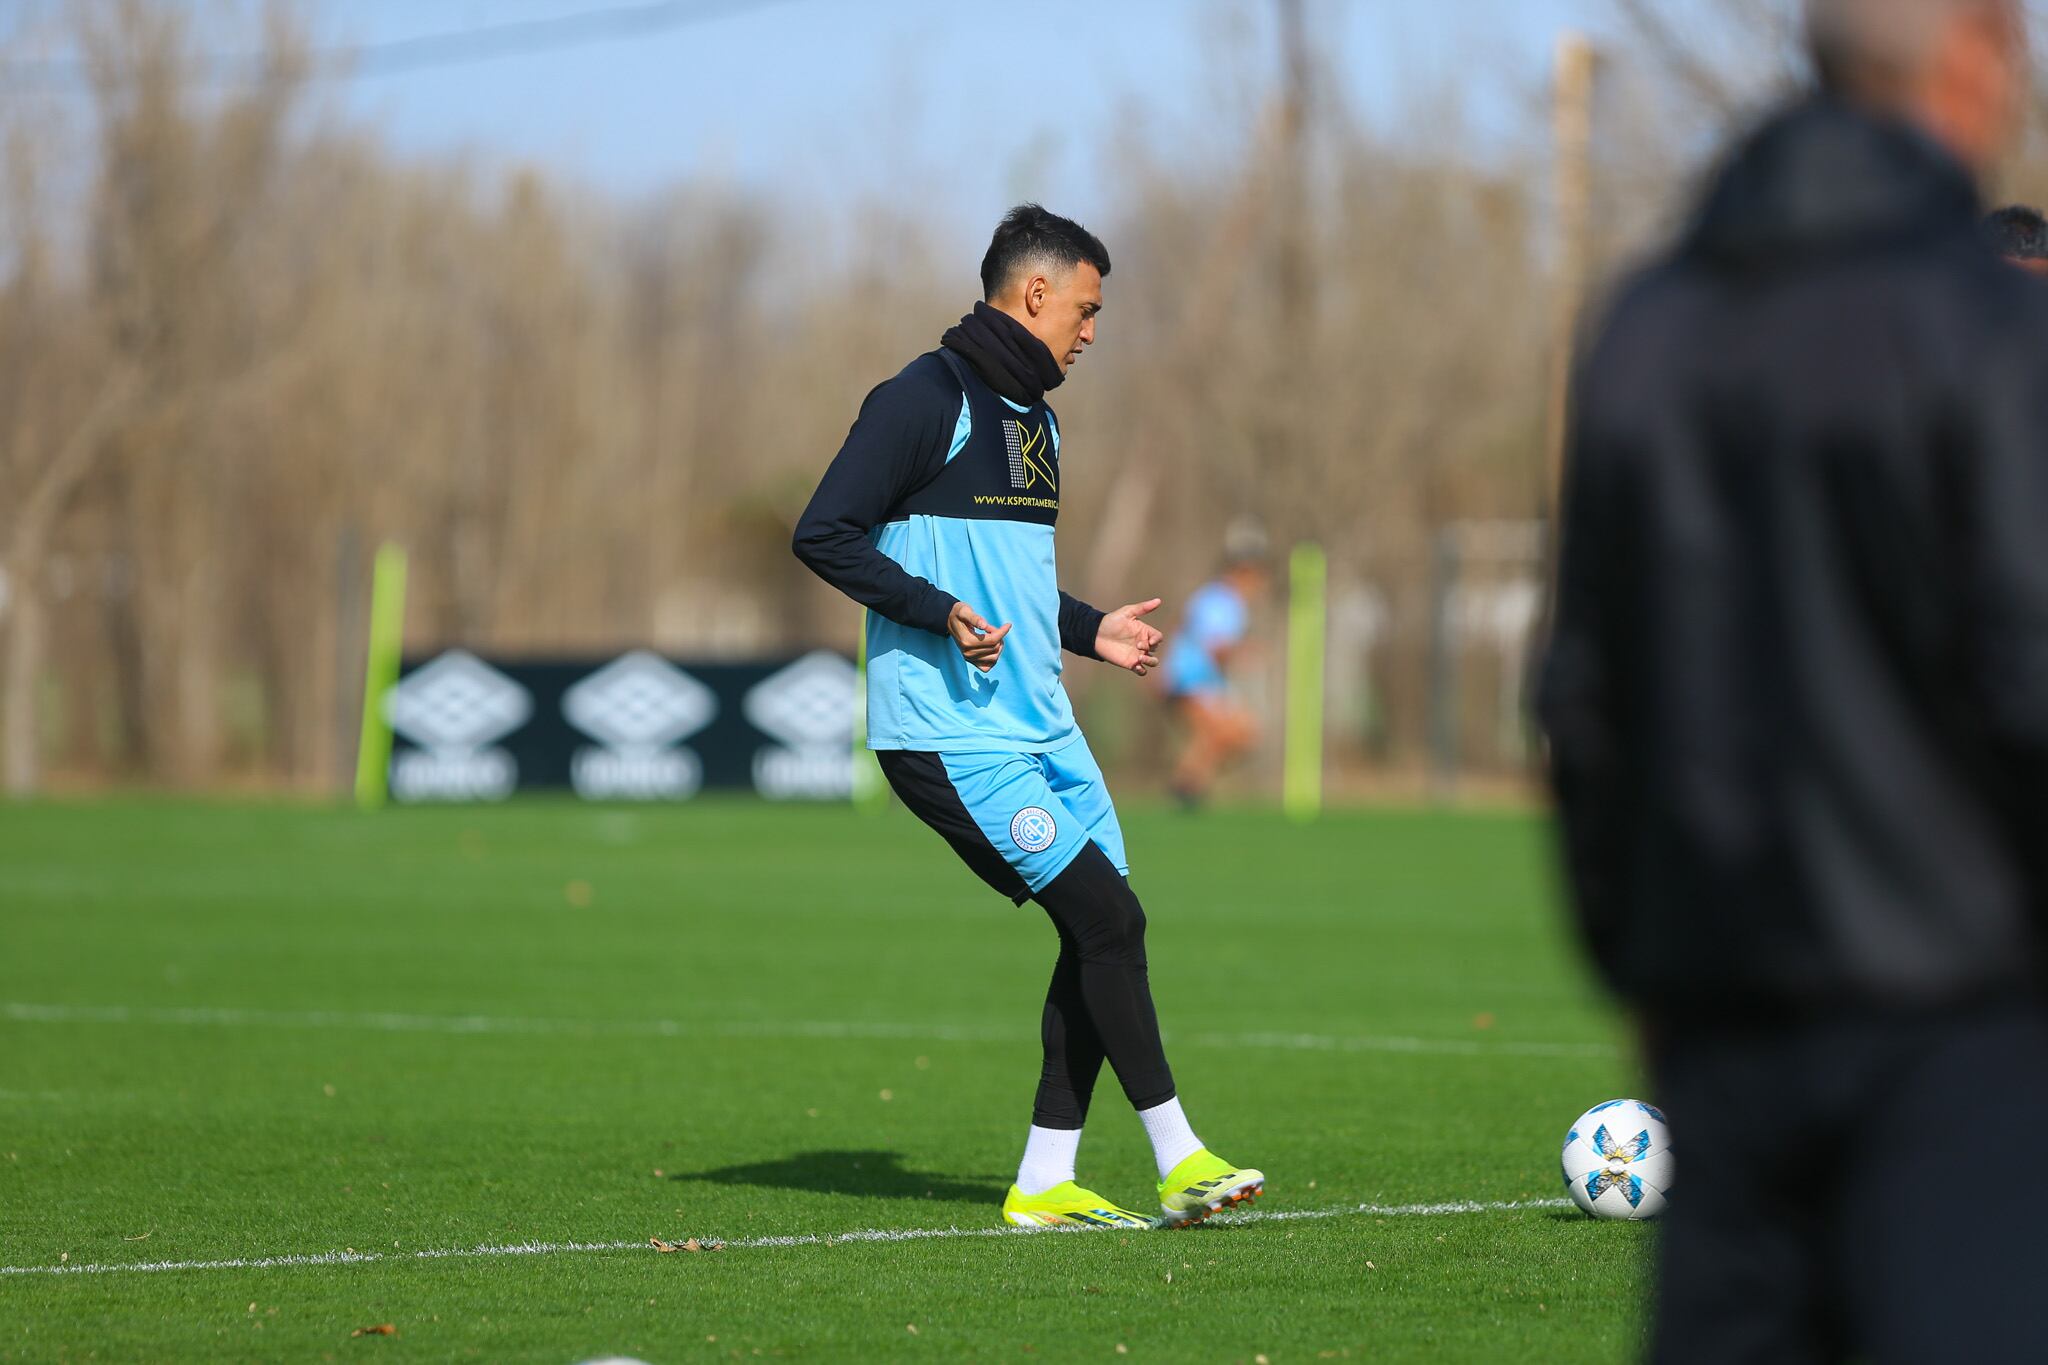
(239, 1033)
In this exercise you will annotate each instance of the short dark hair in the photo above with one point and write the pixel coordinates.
(2018, 232)
(1029, 235)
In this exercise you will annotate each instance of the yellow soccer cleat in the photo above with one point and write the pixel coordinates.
(1069, 1206)
(1204, 1184)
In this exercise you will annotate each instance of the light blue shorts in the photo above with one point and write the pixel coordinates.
(1190, 672)
(1017, 819)
(1040, 810)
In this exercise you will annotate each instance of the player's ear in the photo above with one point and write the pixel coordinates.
(1035, 291)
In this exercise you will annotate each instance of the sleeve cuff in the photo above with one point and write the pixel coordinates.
(933, 612)
(1080, 624)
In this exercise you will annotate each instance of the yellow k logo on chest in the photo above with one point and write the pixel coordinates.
(1031, 461)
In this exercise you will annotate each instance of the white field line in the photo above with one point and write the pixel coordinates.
(325, 1258)
(26, 1013)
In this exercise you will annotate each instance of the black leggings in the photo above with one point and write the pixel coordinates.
(1100, 1001)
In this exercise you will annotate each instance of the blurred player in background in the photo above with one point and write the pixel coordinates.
(1212, 636)
(2020, 234)
(937, 515)
(1797, 700)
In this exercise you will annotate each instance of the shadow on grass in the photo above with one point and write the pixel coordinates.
(875, 1175)
(1587, 1220)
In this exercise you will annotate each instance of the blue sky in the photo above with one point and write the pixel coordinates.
(959, 102)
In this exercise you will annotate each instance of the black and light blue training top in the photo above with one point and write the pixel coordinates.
(946, 491)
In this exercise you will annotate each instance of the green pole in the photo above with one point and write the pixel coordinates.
(870, 790)
(1307, 619)
(380, 675)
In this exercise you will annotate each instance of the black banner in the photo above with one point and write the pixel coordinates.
(639, 727)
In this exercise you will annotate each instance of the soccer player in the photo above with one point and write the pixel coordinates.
(1797, 702)
(2020, 235)
(937, 515)
(1197, 670)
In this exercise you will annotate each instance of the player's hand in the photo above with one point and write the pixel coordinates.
(1126, 641)
(978, 640)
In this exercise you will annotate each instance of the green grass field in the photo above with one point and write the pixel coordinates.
(233, 1034)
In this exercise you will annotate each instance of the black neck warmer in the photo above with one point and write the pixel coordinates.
(1008, 358)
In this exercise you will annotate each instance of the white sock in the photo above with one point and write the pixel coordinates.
(1172, 1140)
(1048, 1158)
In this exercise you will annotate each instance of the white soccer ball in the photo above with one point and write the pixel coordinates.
(1617, 1160)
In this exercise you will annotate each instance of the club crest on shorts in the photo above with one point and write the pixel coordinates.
(1033, 830)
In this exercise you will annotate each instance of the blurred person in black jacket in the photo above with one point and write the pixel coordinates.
(1797, 703)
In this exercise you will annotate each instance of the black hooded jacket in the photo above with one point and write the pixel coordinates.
(1797, 690)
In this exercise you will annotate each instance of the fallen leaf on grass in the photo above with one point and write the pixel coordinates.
(692, 1245)
(382, 1329)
